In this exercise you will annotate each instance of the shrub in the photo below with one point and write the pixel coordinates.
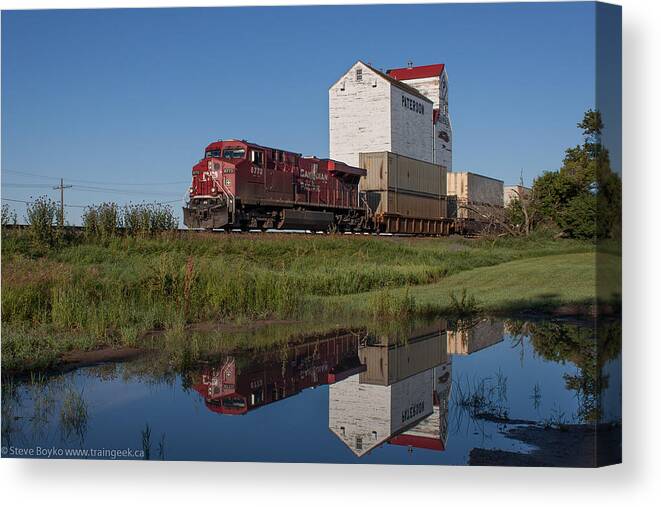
(102, 221)
(91, 221)
(139, 220)
(8, 216)
(147, 219)
(162, 218)
(464, 304)
(41, 216)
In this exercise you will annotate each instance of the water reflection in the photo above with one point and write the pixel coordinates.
(429, 392)
(468, 337)
(238, 384)
(403, 391)
(383, 388)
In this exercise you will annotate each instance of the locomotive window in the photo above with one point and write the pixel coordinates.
(213, 153)
(234, 403)
(234, 153)
(257, 158)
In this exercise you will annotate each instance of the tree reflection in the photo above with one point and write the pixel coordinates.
(589, 349)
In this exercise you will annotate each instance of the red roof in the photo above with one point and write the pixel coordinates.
(417, 72)
(434, 444)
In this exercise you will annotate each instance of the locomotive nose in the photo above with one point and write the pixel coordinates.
(217, 168)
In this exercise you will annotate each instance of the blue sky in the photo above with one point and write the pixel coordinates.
(126, 100)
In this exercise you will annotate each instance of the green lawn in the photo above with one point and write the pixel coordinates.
(540, 283)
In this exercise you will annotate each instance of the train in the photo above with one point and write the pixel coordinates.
(243, 185)
(238, 385)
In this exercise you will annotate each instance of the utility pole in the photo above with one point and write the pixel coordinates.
(61, 188)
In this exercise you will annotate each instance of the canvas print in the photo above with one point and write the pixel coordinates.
(378, 234)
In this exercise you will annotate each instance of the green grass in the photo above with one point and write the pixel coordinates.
(85, 294)
(541, 283)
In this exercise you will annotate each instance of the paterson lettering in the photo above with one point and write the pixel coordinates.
(413, 411)
(413, 105)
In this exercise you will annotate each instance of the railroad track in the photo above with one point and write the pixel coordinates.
(79, 229)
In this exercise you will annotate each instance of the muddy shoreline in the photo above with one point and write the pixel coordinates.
(80, 358)
(572, 446)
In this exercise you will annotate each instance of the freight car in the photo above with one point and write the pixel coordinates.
(243, 185)
(405, 195)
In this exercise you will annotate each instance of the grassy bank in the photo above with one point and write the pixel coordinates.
(563, 282)
(86, 294)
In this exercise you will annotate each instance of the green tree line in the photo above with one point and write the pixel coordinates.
(583, 199)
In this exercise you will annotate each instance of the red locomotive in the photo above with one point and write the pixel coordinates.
(243, 185)
(239, 385)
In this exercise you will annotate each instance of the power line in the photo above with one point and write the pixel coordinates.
(156, 183)
(119, 190)
(29, 174)
(180, 182)
(15, 200)
(26, 185)
(91, 204)
(91, 189)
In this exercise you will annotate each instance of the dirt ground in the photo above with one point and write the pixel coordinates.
(577, 445)
(77, 359)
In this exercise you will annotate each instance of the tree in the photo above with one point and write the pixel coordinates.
(553, 192)
(579, 218)
(520, 212)
(583, 198)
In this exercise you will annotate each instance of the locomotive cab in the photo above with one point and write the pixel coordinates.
(213, 198)
(211, 194)
(230, 153)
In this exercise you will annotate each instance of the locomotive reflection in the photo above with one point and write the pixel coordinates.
(239, 384)
(382, 390)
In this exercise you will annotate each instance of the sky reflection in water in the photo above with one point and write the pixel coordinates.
(346, 397)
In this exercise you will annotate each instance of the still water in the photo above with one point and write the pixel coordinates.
(424, 396)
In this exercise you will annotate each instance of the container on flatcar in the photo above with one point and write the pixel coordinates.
(406, 205)
(388, 360)
(477, 197)
(393, 172)
(399, 185)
